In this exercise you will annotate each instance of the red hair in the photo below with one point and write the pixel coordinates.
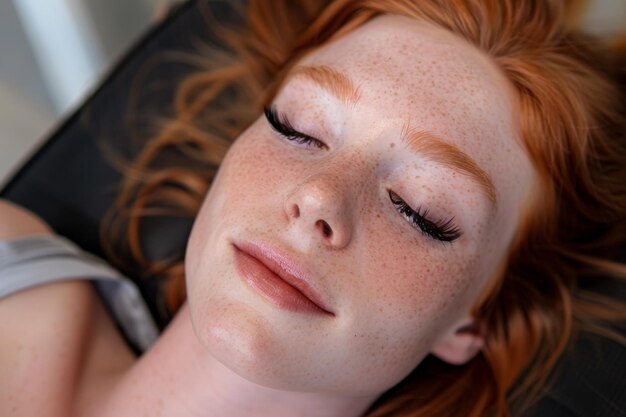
(570, 115)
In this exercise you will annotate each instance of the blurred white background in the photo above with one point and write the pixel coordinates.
(52, 52)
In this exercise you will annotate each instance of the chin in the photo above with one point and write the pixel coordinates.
(242, 341)
(247, 345)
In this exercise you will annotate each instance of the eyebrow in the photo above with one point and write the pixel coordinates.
(329, 79)
(446, 153)
(425, 143)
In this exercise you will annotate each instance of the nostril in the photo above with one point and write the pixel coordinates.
(328, 232)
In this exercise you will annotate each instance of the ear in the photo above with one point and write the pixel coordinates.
(462, 343)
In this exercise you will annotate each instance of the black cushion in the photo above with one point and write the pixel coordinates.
(70, 185)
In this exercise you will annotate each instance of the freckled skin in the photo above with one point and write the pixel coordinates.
(395, 291)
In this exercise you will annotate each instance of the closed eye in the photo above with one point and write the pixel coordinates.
(281, 124)
(442, 230)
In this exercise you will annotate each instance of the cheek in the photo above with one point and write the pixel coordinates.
(410, 290)
(403, 297)
(255, 164)
(410, 272)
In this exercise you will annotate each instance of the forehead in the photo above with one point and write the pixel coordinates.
(416, 73)
(410, 70)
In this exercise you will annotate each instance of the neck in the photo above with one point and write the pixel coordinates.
(177, 376)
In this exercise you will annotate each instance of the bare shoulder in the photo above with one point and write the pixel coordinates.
(16, 221)
(44, 333)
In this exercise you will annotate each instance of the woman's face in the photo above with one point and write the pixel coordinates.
(396, 193)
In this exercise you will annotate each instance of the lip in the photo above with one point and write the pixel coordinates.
(280, 279)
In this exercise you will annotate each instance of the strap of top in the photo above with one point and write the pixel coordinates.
(40, 259)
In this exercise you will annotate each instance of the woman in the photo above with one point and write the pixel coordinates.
(431, 179)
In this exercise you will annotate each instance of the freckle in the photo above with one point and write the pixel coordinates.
(392, 144)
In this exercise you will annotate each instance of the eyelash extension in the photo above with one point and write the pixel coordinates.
(444, 231)
(281, 124)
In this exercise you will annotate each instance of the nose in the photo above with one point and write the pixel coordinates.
(319, 210)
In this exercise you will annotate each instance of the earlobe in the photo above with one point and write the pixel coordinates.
(462, 343)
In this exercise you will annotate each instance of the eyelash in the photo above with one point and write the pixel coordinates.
(281, 124)
(444, 231)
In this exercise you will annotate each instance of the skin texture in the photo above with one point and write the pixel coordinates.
(397, 294)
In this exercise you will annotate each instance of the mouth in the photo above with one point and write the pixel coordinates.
(278, 278)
